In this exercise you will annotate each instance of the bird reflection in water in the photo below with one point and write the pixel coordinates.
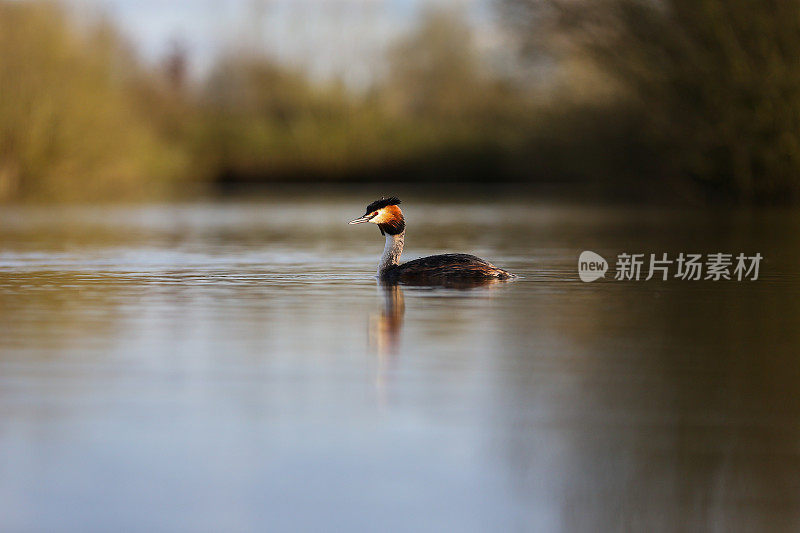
(384, 332)
(386, 327)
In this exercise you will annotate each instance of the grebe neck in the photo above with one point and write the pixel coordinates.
(391, 252)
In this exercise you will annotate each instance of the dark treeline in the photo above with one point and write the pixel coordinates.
(692, 99)
(706, 92)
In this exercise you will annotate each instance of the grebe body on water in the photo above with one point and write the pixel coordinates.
(444, 268)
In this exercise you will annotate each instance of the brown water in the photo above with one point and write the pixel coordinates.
(234, 366)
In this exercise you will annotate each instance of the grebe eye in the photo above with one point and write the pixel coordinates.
(374, 214)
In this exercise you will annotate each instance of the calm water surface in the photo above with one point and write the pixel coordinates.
(234, 366)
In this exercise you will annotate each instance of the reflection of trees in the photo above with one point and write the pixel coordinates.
(56, 310)
(659, 407)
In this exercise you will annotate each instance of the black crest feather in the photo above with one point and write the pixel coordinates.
(380, 204)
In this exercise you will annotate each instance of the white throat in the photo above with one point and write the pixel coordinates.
(391, 252)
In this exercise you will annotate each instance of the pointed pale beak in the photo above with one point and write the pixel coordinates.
(360, 220)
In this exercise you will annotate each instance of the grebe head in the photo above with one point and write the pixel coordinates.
(385, 214)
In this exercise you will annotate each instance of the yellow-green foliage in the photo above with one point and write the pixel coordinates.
(262, 120)
(69, 123)
(80, 119)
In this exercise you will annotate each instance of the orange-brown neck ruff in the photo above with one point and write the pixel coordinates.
(391, 220)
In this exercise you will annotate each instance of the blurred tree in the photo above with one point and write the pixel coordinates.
(176, 66)
(717, 82)
(80, 118)
(435, 70)
(68, 128)
(438, 109)
(263, 120)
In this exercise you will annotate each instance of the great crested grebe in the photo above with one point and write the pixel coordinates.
(443, 268)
